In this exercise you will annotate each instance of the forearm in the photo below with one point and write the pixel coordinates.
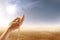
(4, 35)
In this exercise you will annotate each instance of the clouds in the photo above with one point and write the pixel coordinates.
(44, 10)
(38, 10)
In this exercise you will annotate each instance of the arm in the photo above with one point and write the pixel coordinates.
(16, 23)
(4, 35)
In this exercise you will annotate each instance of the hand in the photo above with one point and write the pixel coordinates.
(16, 23)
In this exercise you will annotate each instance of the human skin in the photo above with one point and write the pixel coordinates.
(15, 24)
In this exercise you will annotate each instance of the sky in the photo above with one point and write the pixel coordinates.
(39, 14)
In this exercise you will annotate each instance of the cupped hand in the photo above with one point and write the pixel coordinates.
(16, 23)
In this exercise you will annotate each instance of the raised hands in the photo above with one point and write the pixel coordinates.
(16, 23)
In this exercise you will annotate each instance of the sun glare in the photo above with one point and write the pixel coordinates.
(11, 9)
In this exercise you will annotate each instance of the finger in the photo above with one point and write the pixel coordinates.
(15, 19)
(18, 20)
(22, 19)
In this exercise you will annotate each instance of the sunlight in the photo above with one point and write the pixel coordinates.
(11, 9)
(4, 11)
